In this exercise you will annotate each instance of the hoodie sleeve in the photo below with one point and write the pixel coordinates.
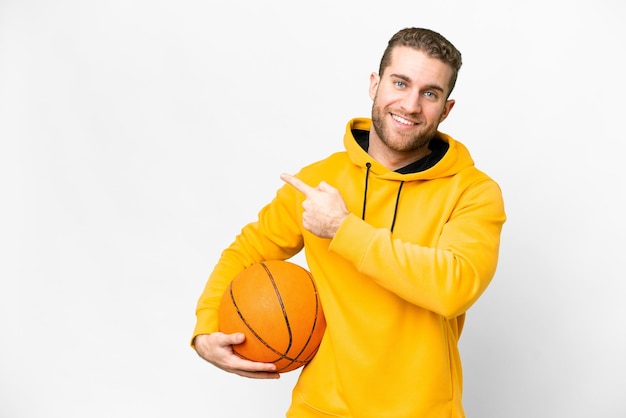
(275, 235)
(446, 278)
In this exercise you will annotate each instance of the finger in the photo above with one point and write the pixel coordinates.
(258, 375)
(297, 183)
(232, 339)
(325, 187)
(253, 366)
(253, 369)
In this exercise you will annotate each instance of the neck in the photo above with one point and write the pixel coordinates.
(394, 159)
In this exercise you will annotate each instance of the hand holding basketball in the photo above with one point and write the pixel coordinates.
(216, 348)
(324, 207)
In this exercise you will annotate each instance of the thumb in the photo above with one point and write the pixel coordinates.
(325, 187)
(238, 338)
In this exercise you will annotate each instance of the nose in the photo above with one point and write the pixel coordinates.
(411, 102)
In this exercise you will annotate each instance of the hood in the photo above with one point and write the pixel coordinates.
(456, 158)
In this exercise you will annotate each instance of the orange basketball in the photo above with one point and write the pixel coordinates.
(276, 305)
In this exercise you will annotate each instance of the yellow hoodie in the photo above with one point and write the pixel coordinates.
(395, 282)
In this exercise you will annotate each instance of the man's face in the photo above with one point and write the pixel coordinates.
(409, 100)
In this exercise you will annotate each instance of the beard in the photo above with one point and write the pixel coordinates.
(398, 141)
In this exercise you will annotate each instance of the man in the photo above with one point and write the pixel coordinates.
(401, 233)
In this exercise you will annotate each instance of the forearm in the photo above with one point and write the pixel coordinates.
(272, 236)
(446, 280)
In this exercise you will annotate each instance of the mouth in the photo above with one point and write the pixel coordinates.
(402, 120)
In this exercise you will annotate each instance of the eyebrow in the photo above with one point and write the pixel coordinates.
(427, 87)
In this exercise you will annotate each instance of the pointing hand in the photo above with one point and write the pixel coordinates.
(324, 208)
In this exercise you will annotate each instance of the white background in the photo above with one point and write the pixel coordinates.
(137, 137)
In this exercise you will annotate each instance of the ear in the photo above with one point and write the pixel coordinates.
(446, 110)
(374, 80)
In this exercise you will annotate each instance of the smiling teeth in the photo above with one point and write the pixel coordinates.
(402, 120)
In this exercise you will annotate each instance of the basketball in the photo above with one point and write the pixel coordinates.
(276, 305)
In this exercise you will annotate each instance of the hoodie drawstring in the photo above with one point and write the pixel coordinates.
(367, 176)
(395, 210)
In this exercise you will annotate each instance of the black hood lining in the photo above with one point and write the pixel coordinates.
(437, 146)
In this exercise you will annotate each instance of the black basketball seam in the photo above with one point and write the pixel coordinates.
(282, 306)
(314, 323)
(308, 341)
(281, 355)
(243, 319)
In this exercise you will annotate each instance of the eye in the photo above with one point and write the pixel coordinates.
(400, 84)
(430, 94)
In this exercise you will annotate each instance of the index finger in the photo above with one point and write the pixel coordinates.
(297, 183)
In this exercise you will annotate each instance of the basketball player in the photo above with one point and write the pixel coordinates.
(401, 233)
